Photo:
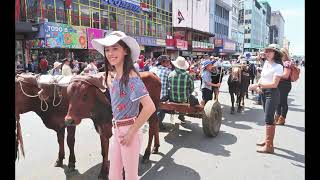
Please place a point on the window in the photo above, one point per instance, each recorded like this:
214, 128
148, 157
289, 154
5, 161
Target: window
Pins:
60, 11
120, 23
137, 31
85, 2
95, 18
85, 16
75, 14
49, 11
104, 20
113, 24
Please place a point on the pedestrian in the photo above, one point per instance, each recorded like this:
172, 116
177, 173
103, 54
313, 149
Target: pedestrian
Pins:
284, 89
75, 68
127, 91
206, 83
162, 71
181, 85
91, 67
261, 58
43, 65
268, 84
56, 70
66, 69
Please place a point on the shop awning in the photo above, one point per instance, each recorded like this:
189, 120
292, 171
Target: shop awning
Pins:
25, 27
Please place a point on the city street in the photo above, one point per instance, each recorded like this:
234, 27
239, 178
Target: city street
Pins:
185, 152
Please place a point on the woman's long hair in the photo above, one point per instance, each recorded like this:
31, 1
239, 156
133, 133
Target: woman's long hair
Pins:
277, 58
127, 66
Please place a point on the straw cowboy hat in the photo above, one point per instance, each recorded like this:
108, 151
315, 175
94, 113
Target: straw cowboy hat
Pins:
274, 47
56, 64
181, 63
112, 39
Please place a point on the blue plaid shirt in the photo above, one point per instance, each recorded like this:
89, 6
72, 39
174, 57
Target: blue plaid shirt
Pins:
163, 74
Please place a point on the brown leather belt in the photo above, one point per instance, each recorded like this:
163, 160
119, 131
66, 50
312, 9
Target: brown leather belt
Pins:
123, 123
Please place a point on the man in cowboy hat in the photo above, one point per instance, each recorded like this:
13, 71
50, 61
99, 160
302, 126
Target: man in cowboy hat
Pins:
181, 84
162, 71
66, 69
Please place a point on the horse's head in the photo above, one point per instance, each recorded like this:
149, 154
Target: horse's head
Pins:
88, 101
235, 74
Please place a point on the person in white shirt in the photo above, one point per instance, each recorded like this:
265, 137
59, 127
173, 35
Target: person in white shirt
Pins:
271, 74
66, 69
91, 68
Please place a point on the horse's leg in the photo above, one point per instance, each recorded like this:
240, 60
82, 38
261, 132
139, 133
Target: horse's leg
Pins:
155, 149
239, 98
232, 102
60, 137
106, 133
147, 152
70, 140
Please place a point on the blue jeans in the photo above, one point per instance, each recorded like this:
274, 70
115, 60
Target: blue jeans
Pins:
270, 101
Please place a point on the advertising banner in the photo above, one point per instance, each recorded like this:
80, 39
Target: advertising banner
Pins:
93, 33
37, 43
65, 36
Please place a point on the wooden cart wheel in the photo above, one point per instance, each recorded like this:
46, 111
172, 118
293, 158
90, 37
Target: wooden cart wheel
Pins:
211, 119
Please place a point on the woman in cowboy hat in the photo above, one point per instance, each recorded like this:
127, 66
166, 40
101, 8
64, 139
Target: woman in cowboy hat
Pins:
127, 92
284, 89
268, 85
56, 70
66, 69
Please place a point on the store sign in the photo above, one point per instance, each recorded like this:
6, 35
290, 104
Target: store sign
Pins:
181, 44
93, 33
161, 42
202, 45
131, 5
147, 41
65, 36
37, 43
218, 42
228, 45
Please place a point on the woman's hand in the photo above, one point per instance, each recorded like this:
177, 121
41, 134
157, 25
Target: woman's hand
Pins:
125, 140
253, 87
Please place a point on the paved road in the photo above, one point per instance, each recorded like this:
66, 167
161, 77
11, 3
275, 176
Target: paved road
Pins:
186, 154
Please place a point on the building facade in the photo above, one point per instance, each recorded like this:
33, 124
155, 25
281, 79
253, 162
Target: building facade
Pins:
286, 44
149, 21
237, 32
252, 18
191, 28
278, 21
268, 19
224, 45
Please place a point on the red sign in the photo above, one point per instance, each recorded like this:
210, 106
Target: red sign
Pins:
170, 42
181, 44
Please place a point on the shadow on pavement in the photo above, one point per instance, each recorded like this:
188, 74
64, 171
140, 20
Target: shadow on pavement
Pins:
295, 109
302, 129
166, 168
249, 114
292, 155
90, 174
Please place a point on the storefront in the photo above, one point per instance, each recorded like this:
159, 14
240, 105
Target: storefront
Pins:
57, 41
151, 47
225, 48
176, 47
202, 48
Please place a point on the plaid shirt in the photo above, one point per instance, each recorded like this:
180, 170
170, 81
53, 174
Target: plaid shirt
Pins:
163, 74
181, 85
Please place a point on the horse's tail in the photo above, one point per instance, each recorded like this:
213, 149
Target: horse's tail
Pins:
19, 139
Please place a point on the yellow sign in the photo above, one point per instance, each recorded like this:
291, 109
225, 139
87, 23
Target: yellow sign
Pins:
141, 48
161, 42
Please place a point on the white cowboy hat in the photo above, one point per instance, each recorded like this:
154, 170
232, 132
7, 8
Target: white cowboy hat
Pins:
180, 63
56, 64
113, 38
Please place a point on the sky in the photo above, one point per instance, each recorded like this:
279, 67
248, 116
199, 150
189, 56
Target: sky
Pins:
293, 12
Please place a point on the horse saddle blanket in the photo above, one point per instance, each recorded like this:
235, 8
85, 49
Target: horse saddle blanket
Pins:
59, 80
97, 80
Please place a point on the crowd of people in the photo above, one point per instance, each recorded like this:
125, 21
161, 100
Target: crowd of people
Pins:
177, 75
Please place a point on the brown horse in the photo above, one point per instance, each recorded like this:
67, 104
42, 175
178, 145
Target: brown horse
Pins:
86, 100
27, 99
238, 83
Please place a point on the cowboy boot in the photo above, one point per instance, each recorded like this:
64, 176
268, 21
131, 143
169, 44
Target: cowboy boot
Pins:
276, 118
268, 147
281, 121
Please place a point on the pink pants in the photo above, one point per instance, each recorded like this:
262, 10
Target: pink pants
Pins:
124, 156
